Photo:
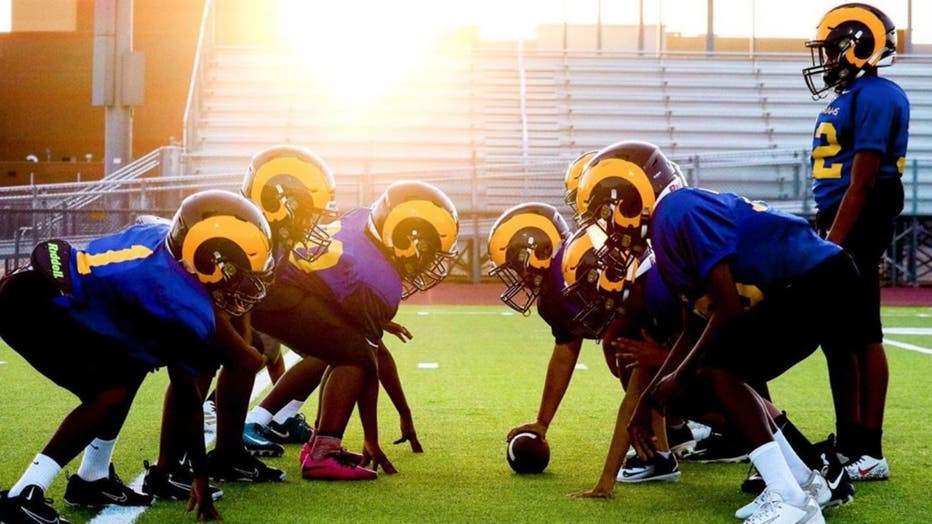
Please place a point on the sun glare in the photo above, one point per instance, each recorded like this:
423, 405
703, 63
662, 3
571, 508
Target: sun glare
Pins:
6, 15
360, 49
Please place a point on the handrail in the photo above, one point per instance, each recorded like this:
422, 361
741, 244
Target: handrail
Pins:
189, 121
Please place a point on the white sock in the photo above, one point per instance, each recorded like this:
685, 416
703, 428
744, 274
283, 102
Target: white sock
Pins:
41, 472
259, 415
95, 464
291, 409
769, 461
800, 470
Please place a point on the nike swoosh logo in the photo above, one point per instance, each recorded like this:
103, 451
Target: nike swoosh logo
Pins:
833, 484
254, 440
279, 434
251, 473
121, 498
182, 485
864, 472
39, 518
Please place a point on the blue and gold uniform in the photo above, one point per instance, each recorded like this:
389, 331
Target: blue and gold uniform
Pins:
335, 306
131, 307
808, 284
130, 288
871, 115
558, 310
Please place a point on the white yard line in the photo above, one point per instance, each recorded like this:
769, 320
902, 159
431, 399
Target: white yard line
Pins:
129, 514
910, 347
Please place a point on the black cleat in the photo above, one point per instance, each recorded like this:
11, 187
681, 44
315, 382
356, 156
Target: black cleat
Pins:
241, 468
173, 485
103, 492
835, 473
29, 507
717, 448
295, 430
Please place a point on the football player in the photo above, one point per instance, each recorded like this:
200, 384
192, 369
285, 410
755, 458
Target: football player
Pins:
151, 295
528, 246
335, 308
705, 244
858, 156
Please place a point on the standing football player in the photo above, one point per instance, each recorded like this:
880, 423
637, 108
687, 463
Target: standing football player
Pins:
148, 296
858, 156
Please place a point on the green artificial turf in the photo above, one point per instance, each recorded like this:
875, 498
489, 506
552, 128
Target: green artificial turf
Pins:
490, 368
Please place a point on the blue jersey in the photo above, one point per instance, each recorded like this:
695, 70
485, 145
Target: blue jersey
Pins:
693, 229
872, 115
354, 272
129, 288
558, 310
664, 311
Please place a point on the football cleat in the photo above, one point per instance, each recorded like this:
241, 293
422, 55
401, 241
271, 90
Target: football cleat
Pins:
867, 467
30, 506
103, 492
658, 468
257, 444
681, 440
242, 468
774, 510
815, 487
834, 472
295, 430
335, 466
699, 430
173, 485
717, 448
753, 483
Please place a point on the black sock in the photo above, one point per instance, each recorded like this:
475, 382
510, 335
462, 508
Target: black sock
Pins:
870, 442
338, 435
800, 444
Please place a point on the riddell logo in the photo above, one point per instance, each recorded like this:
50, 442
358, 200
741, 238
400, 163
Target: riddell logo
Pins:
55, 260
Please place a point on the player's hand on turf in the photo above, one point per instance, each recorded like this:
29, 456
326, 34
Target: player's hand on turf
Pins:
641, 433
201, 500
532, 427
598, 492
374, 457
645, 353
408, 434
398, 330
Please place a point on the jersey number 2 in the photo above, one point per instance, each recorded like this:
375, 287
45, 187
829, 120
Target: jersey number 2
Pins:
822, 165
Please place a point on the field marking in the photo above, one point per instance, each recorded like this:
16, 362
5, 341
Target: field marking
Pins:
428, 365
129, 514
581, 366
908, 331
910, 347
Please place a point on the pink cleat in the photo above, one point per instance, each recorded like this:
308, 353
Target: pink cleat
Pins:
350, 457
335, 466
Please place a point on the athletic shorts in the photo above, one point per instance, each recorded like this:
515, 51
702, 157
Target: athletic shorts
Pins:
60, 348
870, 237
822, 307
313, 325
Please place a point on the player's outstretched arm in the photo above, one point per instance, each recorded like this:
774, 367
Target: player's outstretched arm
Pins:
388, 376
605, 486
559, 372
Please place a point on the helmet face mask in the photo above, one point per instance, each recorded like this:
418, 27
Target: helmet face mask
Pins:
851, 40
418, 226
595, 288
618, 190
295, 190
225, 241
522, 244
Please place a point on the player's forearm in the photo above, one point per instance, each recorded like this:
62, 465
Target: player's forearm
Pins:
559, 372
620, 439
368, 408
